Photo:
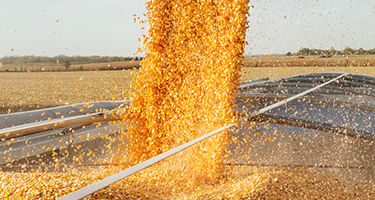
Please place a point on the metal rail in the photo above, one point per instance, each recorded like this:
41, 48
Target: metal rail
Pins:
287, 86
347, 86
78, 194
355, 79
320, 126
281, 103
54, 124
296, 78
315, 100
25, 129
27, 117
296, 165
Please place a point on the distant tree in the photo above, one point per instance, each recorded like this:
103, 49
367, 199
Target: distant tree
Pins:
348, 51
315, 52
289, 54
67, 64
332, 51
360, 51
304, 52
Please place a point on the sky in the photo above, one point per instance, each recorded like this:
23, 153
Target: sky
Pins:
106, 27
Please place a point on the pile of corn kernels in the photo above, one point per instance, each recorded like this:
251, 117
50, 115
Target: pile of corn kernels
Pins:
239, 182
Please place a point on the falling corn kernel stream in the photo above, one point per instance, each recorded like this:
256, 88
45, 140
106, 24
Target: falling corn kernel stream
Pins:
188, 82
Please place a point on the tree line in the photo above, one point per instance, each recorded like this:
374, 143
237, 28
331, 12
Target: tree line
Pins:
332, 51
66, 60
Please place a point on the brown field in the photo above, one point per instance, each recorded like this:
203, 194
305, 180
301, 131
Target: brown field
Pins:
39, 67
262, 61
311, 61
33, 90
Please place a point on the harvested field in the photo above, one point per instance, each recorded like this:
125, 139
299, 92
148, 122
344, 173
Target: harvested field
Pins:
311, 61
29, 91
48, 67
261, 61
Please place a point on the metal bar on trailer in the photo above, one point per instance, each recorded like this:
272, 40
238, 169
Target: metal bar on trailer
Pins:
78, 194
316, 100
54, 124
287, 86
25, 129
354, 79
246, 85
27, 117
265, 81
255, 81
295, 78
315, 126
281, 103
363, 78
296, 165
